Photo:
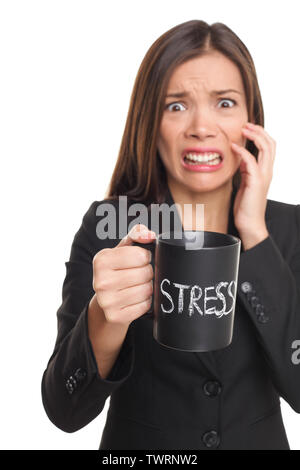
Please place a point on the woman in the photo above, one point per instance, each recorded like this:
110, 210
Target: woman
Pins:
161, 398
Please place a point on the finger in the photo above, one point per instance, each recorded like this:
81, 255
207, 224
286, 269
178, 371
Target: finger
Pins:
135, 294
251, 171
133, 276
248, 164
138, 233
258, 128
133, 312
261, 131
260, 140
265, 157
135, 256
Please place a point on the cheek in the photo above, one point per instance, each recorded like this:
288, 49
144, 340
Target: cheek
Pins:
233, 131
170, 126
163, 133
166, 137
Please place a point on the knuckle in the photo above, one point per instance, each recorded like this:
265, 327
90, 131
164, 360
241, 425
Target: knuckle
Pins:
103, 283
101, 256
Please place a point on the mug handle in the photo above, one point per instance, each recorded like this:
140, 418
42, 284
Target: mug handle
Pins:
151, 247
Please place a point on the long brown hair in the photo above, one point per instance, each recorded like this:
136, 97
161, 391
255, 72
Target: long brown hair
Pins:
139, 172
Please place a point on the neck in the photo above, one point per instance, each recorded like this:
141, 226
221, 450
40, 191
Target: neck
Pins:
215, 210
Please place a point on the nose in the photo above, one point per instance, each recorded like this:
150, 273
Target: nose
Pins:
201, 124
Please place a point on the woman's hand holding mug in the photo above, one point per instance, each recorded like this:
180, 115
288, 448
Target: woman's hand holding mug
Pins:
122, 277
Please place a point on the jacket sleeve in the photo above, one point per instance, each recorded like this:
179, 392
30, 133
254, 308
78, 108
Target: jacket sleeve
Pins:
73, 392
269, 287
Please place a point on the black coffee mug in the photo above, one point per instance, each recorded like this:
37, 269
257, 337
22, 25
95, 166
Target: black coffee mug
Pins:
194, 289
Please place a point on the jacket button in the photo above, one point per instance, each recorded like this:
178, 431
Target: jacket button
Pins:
211, 439
259, 309
212, 388
254, 301
249, 295
70, 386
262, 318
80, 374
246, 287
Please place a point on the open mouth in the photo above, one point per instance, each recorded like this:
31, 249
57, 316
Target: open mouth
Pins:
207, 160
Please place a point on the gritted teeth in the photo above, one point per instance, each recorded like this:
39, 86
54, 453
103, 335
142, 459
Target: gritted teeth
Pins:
204, 157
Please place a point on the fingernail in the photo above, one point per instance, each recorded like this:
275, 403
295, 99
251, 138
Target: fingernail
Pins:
151, 233
147, 234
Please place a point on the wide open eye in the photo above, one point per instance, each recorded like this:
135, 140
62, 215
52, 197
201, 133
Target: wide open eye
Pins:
168, 106
228, 99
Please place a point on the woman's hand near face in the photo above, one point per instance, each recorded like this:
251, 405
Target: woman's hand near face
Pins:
122, 277
256, 176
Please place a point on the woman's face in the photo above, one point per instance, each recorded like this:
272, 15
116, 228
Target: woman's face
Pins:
204, 117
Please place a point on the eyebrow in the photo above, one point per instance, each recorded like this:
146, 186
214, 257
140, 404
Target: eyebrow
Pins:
182, 94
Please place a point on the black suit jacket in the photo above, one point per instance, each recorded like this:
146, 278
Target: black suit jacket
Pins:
166, 399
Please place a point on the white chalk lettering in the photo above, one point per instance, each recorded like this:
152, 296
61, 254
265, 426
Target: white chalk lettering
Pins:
168, 297
211, 310
175, 294
180, 295
222, 298
193, 299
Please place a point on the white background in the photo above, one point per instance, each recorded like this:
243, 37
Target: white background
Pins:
67, 72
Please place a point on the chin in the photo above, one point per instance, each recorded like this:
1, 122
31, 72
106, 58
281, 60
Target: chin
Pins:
204, 185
